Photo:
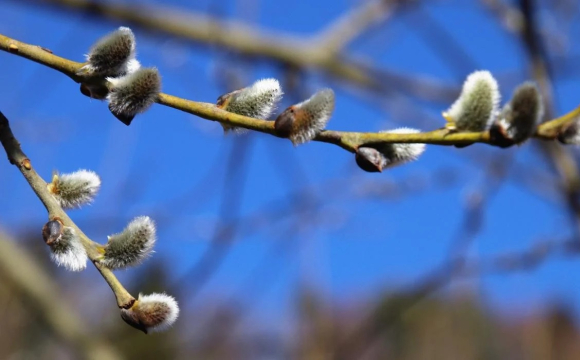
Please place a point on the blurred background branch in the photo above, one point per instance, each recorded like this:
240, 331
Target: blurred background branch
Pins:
44, 299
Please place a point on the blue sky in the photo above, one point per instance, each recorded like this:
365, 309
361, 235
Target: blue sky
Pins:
356, 245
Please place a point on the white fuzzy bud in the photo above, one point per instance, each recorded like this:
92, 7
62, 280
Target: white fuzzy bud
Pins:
477, 106
402, 153
134, 93
152, 313
131, 246
376, 158
65, 245
521, 116
112, 55
257, 101
302, 122
75, 189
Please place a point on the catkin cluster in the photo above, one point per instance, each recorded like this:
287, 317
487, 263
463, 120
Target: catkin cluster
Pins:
132, 89
477, 109
130, 247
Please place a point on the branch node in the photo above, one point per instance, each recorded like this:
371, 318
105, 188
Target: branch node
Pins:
26, 164
45, 49
128, 304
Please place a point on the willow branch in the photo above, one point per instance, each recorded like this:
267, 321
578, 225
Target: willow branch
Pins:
17, 157
347, 140
29, 279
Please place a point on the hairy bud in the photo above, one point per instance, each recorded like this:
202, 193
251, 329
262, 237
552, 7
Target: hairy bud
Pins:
134, 93
52, 231
522, 115
570, 134
65, 245
370, 159
131, 246
376, 158
256, 101
155, 312
113, 55
302, 122
75, 189
477, 106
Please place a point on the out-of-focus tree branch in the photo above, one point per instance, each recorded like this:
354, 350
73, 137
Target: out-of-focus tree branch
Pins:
25, 275
283, 48
511, 17
351, 25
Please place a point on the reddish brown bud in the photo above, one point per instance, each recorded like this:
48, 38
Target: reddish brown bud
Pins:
302, 122
286, 123
52, 231
370, 160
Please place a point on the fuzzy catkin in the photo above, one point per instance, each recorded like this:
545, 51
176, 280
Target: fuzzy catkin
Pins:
398, 153
75, 189
68, 251
477, 105
376, 158
302, 122
112, 55
152, 313
132, 245
258, 101
134, 93
318, 110
523, 113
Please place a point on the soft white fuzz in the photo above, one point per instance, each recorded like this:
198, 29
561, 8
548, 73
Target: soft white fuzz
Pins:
134, 93
152, 313
131, 246
522, 114
258, 101
75, 189
112, 55
379, 157
302, 122
477, 106
68, 251
402, 153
